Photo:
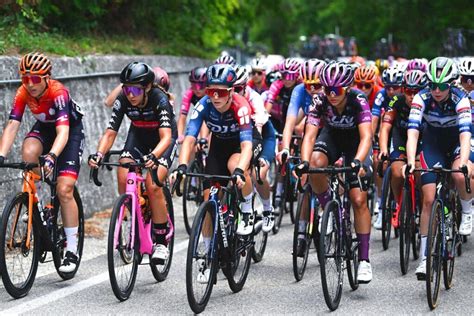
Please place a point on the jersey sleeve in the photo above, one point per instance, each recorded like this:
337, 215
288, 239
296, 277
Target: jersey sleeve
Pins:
463, 109
186, 102
364, 115
377, 106
416, 112
274, 91
62, 104
296, 100
19, 105
242, 113
165, 114
391, 113
260, 115
118, 112
197, 117
314, 111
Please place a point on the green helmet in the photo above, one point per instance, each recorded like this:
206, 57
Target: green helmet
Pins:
442, 70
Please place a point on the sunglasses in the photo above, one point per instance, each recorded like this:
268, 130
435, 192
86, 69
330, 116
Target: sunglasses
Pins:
218, 93
258, 73
393, 87
239, 89
467, 79
33, 79
410, 91
198, 85
362, 85
440, 86
312, 86
334, 91
289, 75
135, 91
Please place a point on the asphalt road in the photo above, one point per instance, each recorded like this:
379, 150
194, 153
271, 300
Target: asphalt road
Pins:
270, 288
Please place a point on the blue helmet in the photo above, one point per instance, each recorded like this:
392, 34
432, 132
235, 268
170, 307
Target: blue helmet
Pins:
221, 74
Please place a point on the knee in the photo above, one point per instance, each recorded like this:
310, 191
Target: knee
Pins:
458, 179
358, 203
154, 190
65, 192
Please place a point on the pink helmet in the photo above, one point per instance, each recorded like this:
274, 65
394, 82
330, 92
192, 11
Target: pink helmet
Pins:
337, 74
290, 65
310, 70
416, 64
161, 78
415, 79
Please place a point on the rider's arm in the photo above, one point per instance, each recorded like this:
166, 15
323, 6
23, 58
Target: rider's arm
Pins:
192, 130
292, 114
109, 100
288, 131
62, 105
164, 118
377, 110
181, 124
463, 109
62, 136
8, 136
273, 94
313, 122
183, 112
107, 140
414, 126
365, 133
387, 123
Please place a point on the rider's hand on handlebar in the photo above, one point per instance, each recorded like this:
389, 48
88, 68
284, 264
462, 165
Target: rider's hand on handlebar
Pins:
383, 154
2, 160
49, 162
357, 166
180, 139
178, 173
469, 169
302, 168
238, 177
284, 152
95, 159
410, 165
150, 161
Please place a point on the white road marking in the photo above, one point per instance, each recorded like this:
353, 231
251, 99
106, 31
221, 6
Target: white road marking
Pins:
62, 293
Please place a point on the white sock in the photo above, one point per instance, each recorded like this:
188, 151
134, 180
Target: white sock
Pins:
207, 243
247, 204
267, 205
466, 206
423, 248
279, 188
194, 181
302, 226
379, 202
71, 238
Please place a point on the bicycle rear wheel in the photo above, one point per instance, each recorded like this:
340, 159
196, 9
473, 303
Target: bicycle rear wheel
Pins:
387, 198
192, 197
453, 239
121, 256
434, 258
18, 263
300, 260
352, 259
160, 271
415, 235
331, 257
201, 260
59, 237
280, 209
406, 218
260, 238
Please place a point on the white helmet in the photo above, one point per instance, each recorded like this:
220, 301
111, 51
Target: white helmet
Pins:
242, 75
258, 64
466, 66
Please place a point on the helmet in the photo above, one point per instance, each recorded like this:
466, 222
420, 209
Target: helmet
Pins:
222, 74
258, 64
242, 75
415, 79
381, 64
290, 65
357, 60
310, 70
392, 76
271, 77
466, 67
137, 73
416, 64
162, 78
337, 74
226, 59
366, 74
35, 64
198, 74
442, 70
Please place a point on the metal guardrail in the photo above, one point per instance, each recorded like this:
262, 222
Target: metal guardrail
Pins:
87, 76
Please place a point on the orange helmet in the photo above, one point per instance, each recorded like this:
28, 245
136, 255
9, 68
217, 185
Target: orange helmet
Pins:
366, 74
35, 64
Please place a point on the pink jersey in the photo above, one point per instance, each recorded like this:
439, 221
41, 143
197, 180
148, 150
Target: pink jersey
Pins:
189, 99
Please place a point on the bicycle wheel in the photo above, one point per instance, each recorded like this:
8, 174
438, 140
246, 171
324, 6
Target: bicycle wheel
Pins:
299, 262
415, 235
452, 239
352, 259
192, 197
201, 260
405, 230
59, 237
280, 209
260, 238
121, 256
160, 271
387, 198
18, 262
434, 258
331, 258
371, 199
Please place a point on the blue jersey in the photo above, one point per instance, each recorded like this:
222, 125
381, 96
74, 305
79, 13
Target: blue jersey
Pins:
300, 99
381, 102
235, 123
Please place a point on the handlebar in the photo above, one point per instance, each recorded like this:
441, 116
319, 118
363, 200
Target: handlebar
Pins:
440, 170
94, 173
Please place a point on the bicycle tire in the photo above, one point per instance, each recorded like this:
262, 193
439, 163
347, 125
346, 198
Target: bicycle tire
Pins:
199, 304
405, 231
352, 260
190, 206
453, 238
332, 290
416, 236
15, 203
434, 258
299, 263
59, 237
160, 272
260, 238
387, 198
124, 250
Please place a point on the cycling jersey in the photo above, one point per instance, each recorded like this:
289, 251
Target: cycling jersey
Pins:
373, 95
189, 100
279, 96
300, 99
260, 115
397, 112
252, 85
235, 123
380, 104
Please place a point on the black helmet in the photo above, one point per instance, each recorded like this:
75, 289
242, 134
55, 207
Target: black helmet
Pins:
198, 74
221, 74
137, 73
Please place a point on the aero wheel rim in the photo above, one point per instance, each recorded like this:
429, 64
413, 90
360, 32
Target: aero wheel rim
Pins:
123, 253
332, 260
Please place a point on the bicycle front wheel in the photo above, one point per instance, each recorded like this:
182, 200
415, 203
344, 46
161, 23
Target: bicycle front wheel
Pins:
434, 258
406, 218
387, 199
192, 197
331, 257
122, 257
452, 240
300, 254
201, 260
260, 238
18, 260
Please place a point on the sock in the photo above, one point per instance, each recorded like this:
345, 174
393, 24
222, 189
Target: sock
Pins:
247, 205
71, 238
267, 205
379, 202
194, 181
279, 188
301, 228
466, 206
160, 231
207, 243
423, 248
363, 246
323, 198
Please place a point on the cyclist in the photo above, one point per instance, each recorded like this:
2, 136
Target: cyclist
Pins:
228, 116
257, 82
446, 141
466, 71
395, 123
197, 78
225, 59
265, 128
151, 138
416, 64
347, 131
57, 134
